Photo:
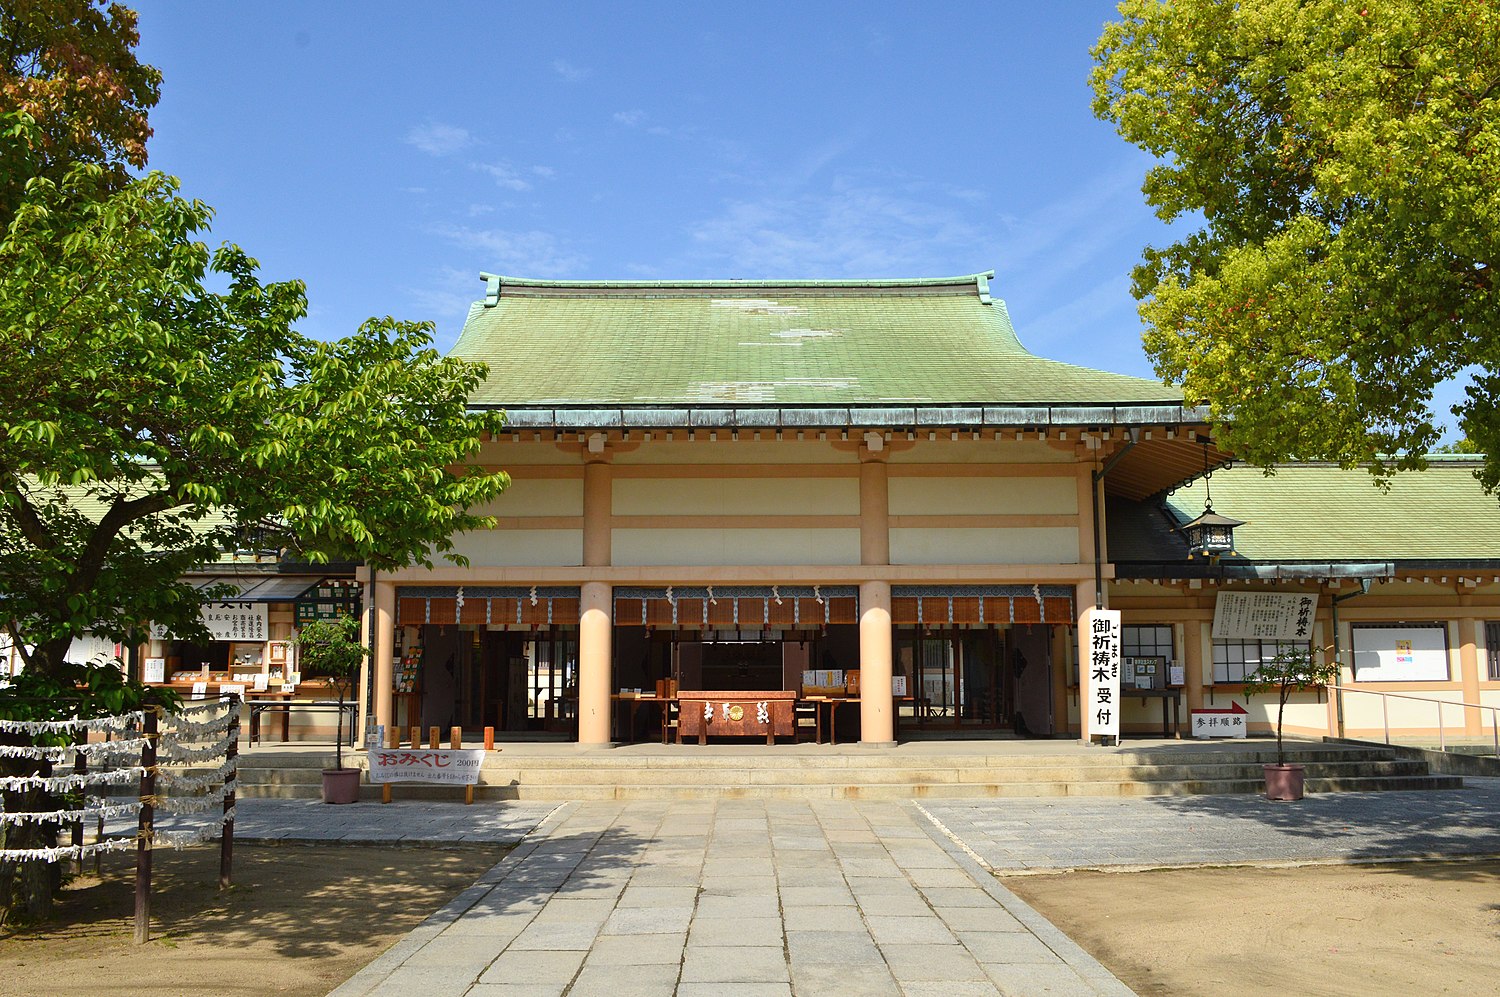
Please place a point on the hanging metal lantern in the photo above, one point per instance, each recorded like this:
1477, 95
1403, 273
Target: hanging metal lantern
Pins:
1210, 535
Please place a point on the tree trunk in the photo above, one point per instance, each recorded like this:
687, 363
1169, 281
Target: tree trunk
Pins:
27, 888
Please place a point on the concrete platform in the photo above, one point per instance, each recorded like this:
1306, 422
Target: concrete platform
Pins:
924, 769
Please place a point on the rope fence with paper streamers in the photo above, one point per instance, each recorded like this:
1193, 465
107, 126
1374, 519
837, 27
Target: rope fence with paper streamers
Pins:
138, 749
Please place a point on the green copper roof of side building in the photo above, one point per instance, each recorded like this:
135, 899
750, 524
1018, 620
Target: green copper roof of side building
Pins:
1320, 512
687, 343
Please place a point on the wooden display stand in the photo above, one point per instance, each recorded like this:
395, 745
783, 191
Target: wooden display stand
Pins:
736, 713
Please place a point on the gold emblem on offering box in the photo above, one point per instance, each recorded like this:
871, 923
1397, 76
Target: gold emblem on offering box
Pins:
736, 713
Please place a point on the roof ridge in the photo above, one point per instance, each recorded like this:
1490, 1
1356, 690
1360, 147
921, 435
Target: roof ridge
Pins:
979, 281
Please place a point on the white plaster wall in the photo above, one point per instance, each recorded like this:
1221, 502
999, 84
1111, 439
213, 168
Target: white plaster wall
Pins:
731, 547
985, 496
505, 452
537, 497
1050, 545
1365, 711
986, 450
736, 497
745, 450
521, 548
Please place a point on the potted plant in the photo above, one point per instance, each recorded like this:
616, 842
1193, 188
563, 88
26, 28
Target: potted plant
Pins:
332, 648
1288, 672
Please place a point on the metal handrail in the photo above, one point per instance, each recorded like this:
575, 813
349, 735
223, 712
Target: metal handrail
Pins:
1385, 713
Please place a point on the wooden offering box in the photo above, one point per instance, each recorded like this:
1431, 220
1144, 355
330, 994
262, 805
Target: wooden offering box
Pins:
736, 713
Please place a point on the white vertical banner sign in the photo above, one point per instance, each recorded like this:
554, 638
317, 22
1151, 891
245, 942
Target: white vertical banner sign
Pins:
1102, 673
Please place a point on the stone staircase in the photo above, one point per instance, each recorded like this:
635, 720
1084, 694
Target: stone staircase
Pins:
929, 771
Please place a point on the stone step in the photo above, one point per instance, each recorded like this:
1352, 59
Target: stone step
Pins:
966, 769
810, 772
875, 791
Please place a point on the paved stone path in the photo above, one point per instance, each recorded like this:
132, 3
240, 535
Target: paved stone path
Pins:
750, 898
399, 822
824, 898
1028, 834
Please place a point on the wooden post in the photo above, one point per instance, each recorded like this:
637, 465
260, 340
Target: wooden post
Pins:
432, 738
80, 767
393, 738
385, 793
232, 754
144, 828
489, 739
469, 794
416, 737
456, 738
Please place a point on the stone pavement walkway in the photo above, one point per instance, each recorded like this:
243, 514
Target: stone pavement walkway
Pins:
413, 822
1052, 834
820, 898
750, 898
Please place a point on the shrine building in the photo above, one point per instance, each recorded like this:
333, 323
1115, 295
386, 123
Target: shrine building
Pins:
867, 498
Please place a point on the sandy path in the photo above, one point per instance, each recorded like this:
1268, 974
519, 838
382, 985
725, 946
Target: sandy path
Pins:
299, 920
1420, 928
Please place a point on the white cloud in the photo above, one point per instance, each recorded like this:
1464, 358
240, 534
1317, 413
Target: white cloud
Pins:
504, 175
853, 230
528, 254
545, 172
630, 118
569, 72
437, 139
444, 299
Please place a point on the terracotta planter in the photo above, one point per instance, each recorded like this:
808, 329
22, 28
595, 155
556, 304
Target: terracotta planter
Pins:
340, 785
1283, 782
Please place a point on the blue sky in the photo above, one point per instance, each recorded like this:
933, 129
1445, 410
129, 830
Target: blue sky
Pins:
387, 156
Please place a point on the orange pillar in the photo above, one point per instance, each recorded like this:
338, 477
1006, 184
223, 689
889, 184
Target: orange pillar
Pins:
1192, 665
595, 638
1468, 663
385, 652
874, 508
598, 504
876, 708
1084, 595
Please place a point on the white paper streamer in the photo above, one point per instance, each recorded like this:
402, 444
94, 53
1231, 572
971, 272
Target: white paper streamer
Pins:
71, 781
204, 708
91, 812
60, 726
195, 804
175, 751
67, 851
94, 751
193, 783
195, 836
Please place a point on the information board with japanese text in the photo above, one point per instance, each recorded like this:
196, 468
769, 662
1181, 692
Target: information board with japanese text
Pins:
1286, 616
1101, 650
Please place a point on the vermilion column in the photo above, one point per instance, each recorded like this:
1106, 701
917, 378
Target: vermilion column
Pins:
1085, 598
1192, 661
385, 651
876, 708
1468, 663
874, 509
595, 634
598, 502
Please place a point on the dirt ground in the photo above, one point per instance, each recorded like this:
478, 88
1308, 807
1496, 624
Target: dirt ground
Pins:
299, 920
1420, 928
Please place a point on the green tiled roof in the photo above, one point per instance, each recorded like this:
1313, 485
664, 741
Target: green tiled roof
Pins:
647, 344
1314, 512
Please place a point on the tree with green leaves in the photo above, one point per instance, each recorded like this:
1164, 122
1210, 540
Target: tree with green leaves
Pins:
1344, 162
1292, 670
151, 421
70, 67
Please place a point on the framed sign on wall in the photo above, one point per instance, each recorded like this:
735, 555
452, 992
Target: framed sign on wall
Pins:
1400, 652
